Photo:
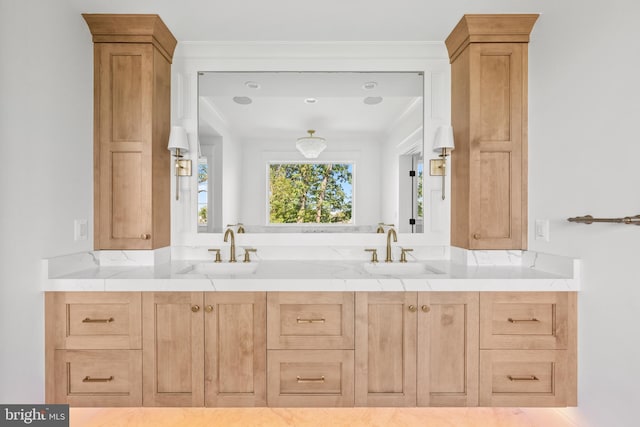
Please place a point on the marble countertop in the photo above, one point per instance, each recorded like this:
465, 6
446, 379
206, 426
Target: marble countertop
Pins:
468, 271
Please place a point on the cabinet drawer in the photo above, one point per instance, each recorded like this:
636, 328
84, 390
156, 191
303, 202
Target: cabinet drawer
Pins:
310, 378
523, 377
310, 320
98, 377
523, 320
100, 320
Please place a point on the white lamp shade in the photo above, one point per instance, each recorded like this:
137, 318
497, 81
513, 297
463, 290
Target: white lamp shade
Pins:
443, 139
178, 139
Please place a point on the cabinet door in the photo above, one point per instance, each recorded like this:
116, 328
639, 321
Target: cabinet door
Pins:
448, 349
124, 100
173, 348
385, 362
235, 349
497, 166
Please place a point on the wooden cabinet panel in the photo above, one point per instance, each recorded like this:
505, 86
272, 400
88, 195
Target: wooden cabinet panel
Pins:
97, 320
235, 349
132, 68
489, 118
524, 320
385, 368
448, 349
173, 343
98, 377
310, 320
523, 378
310, 378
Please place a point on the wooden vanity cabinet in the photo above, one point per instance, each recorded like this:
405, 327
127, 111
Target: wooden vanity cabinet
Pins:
132, 90
204, 348
488, 55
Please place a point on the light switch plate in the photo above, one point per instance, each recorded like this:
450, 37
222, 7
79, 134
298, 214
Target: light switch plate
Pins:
542, 229
80, 229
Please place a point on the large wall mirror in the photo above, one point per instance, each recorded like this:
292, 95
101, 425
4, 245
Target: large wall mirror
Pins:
310, 151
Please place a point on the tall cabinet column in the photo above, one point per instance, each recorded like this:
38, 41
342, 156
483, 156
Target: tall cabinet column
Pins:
132, 91
488, 55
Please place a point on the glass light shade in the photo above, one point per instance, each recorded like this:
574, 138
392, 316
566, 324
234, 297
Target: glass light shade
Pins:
311, 146
443, 139
178, 139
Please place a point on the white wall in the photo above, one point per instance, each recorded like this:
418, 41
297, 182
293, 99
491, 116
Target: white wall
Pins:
584, 153
46, 115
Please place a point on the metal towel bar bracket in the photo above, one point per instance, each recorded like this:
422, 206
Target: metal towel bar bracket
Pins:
588, 219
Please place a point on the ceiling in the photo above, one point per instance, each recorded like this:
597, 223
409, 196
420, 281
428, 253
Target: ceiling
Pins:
310, 20
280, 107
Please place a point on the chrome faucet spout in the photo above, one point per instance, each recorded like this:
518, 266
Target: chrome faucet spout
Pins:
390, 233
232, 251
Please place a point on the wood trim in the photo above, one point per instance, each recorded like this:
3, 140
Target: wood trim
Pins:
489, 28
132, 28
277, 340
431, 329
367, 328
251, 344
572, 349
50, 327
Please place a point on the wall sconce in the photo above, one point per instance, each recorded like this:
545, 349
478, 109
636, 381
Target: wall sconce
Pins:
179, 142
443, 144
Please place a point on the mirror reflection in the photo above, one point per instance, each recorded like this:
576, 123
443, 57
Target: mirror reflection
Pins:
310, 151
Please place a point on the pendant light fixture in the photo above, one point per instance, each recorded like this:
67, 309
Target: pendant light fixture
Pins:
311, 146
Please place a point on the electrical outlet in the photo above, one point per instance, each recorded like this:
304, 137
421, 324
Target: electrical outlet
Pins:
80, 229
542, 229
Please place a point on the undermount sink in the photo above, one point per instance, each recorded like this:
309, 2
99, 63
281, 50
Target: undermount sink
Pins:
221, 268
399, 268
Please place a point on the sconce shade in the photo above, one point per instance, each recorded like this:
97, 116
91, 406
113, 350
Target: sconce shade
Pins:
443, 139
311, 146
178, 139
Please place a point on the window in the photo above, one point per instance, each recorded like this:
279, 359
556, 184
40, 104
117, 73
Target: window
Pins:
310, 193
203, 191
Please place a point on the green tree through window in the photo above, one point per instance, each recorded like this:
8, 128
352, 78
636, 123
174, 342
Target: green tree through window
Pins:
318, 193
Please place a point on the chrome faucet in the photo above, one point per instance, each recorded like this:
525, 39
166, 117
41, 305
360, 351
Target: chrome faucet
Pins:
232, 256
395, 239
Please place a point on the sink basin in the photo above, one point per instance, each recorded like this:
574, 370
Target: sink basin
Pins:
399, 268
221, 268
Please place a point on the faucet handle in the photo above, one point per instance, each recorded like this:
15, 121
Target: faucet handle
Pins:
247, 251
374, 254
403, 254
217, 251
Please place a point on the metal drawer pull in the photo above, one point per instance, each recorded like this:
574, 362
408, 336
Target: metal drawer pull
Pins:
533, 319
88, 379
527, 378
89, 320
310, 380
299, 320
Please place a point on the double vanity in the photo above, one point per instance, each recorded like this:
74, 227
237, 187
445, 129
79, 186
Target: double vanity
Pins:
449, 327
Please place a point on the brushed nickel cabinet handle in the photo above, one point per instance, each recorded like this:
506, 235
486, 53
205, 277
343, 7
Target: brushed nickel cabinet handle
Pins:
310, 380
195, 308
533, 319
299, 320
89, 320
525, 378
145, 236
88, 379
413, 308
208, 308
426, 308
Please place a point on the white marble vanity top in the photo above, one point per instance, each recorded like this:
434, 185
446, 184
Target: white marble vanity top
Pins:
456, 270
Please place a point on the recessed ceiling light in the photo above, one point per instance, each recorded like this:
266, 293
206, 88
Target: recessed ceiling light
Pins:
369, 85
252, 85
242, 100
310, 100
372, 100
